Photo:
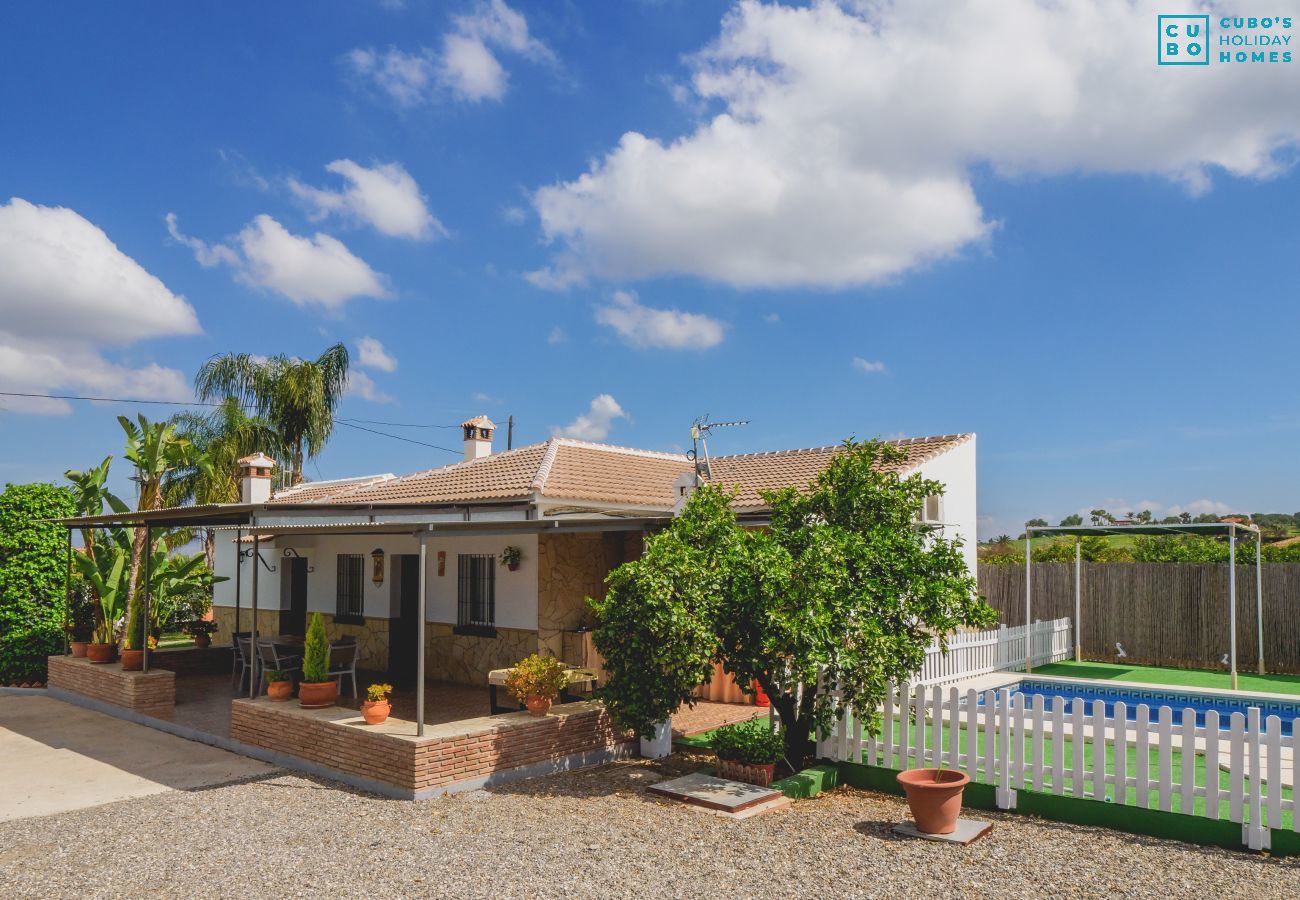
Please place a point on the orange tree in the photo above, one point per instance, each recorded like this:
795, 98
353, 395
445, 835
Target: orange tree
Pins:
844, 588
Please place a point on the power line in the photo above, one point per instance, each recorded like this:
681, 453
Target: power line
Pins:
108, 399
396, 437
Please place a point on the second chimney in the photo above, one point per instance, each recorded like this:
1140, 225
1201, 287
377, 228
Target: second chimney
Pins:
478, 437
255, 478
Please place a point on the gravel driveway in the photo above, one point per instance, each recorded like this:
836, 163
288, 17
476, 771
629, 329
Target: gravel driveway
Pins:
593, 833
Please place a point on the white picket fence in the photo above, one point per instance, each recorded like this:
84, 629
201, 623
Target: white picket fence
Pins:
996, 650
999, 739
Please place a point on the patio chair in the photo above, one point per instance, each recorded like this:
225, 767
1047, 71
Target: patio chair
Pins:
272, 660
343, 662
240, 653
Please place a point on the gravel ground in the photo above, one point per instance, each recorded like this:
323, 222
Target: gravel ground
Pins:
593, 833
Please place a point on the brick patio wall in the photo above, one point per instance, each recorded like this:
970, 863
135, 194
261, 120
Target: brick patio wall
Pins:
151, 694
464, 751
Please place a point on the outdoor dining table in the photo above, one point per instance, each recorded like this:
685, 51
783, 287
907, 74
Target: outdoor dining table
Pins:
497, 678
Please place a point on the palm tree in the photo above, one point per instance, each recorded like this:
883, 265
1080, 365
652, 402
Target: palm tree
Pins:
297, 397
158, 453
221, 437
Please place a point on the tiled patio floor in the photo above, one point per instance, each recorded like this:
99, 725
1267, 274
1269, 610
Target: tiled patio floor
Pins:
203, 703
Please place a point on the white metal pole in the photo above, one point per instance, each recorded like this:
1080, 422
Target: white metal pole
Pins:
1232, 604
1029, 663
252, 641
419, 644
1078, 601
1259, 600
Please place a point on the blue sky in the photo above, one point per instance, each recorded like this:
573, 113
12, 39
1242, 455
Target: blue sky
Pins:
1086, 259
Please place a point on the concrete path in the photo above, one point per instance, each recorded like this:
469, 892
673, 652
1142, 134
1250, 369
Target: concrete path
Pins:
56, 757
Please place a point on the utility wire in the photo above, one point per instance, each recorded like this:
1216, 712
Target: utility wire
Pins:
396, 437
108, 399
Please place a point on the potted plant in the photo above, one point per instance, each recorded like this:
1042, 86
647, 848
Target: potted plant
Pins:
202, 631
317, 690
278, 685
106, 574
934, 796
536, 681
510, 558
78, 640
376, 707
748, 751
133, 642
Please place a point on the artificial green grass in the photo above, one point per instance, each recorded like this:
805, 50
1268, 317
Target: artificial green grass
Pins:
1199, 678
1130, 768
702, 740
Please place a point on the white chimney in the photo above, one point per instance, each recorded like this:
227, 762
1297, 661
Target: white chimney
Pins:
478, 437
683, 487
255, 478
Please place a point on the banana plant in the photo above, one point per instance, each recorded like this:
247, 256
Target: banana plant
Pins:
107, 572
172, 576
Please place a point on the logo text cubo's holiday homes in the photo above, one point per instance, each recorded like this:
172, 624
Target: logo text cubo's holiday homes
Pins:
1187, 40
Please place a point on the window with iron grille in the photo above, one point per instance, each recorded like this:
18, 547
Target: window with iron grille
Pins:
350, 602
476, 609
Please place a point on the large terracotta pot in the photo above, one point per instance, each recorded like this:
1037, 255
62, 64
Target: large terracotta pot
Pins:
376, 711
935, 803
202, 640
538, 705
101, 653
317, 695
132, 660
79, 649
279, 690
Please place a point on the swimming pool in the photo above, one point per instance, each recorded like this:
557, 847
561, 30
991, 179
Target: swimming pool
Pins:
1132, 696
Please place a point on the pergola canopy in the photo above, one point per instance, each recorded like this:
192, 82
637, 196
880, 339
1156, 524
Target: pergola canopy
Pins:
1213, 529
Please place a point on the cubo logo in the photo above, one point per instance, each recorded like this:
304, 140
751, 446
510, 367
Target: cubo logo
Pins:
1183, 40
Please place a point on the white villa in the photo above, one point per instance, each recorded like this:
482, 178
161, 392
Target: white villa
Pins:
573, 510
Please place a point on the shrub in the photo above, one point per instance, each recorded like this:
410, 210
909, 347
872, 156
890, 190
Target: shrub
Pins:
33, 568
316, 652
537, 676
752, 743
270, 676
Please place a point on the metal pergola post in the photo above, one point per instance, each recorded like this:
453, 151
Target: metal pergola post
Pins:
1259, 599
1029, 590
252, 643
1232, 605
148, 577
419, 646
239, 570
67, 593
1078, 600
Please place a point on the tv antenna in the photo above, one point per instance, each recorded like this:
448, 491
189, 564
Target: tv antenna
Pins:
700, 430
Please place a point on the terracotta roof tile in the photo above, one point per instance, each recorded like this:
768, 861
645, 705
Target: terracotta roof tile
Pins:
320, 491
754, 472
500, 476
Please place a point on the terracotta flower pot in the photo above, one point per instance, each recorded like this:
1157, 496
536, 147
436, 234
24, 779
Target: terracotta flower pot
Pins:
375, 711
202, 640
132, 660
79, 648
279, 690
538, 705
318, 695
100, 653
513, 567
761, 698
935, 804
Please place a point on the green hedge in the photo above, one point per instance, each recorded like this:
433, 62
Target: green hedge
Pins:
33, 562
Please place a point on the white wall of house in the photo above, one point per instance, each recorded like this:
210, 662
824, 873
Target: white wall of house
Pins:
516, 592
956, 469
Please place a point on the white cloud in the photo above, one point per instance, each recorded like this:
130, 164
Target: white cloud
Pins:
67, 294
466, 66
596, 422
772, 318
318, 270
362, 385
405, 77
643, 326
385, 197
557, 336
371, 354
514, 215
845, 134
867, 365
